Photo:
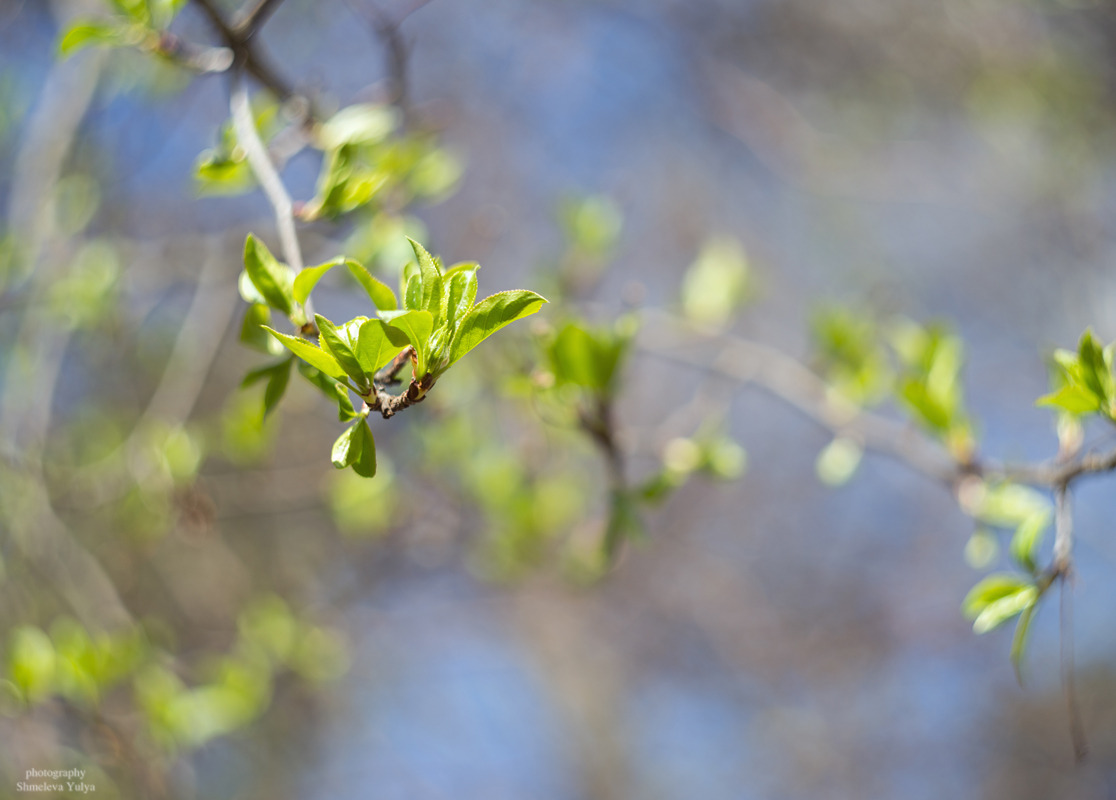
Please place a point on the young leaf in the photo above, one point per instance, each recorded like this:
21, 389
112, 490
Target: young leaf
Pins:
417, 325
491, 314
997, 599
1096, 373
357, 124
274, 281
458, 267
87, 33
380, 293
583, 358
378, 343
331, 389
347, 448
252, 331
365, 463
356, 448
306, 280
838, 460
412, 294
1073, 398
277, 375
1019, 640
338, 342
460, 294
314, 356
1028, 537
431, 277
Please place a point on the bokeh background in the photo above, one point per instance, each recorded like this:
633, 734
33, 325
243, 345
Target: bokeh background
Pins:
770, 636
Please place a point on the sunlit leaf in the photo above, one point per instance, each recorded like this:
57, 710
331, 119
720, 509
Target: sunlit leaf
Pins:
380, 293
307, 279
312, 355
489, 316
340, 343
378, 343
274, 281
417, 325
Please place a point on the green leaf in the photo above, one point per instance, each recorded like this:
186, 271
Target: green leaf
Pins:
277, 375
87, 33
274, 281
365, 464
458, 267
460, 294
997, 599
276, 386
1007, 505
312, 355
1073, 398
346, 449
333, 390
582, 358
306, 280
716, 283
623, 523
356, 448
1028, 537
417, 325
340, 343
491, 314
412, 294
378, 343
431, 277
1019, 639
252, 333
357, 124
838, 460
1095, 371
380, 293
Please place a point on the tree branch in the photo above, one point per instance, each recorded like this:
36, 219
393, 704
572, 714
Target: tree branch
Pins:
387, 30
265, 172
244, 53
1062, 569
250, 20
792, 382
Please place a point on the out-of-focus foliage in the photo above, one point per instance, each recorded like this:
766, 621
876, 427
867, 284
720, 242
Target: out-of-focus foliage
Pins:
173, 530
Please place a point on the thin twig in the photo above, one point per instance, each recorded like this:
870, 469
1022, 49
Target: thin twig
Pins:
245, 53
792, 382
254, 16
265, 172
388, 30
195, 348
1062, 568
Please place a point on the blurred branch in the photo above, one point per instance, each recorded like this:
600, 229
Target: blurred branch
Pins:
27, 399
195, 57
265, 172
1062, 568
195, 348
244, 52
792, 382
387, 29
250, 20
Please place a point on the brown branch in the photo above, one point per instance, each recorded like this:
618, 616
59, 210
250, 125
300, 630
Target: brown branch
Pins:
194, 57
245, 53
390, 374
253, 17
391, 404
792, 382
387, 30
